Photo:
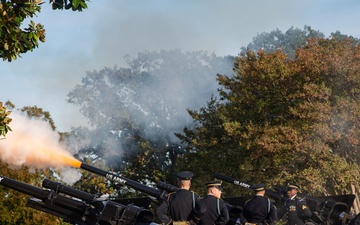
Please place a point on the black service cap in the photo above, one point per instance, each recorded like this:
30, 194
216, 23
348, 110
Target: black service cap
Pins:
213, 183
185, 175
292, 186
258, 187
216, 184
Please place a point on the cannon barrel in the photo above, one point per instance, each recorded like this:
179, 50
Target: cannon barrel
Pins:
232, 180
78, 207
124, 181
51, 202
277, 196
87, 197
24, 188
166, 187
39, 193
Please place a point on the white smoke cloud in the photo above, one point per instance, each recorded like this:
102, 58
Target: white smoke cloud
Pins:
69, 175
33, 143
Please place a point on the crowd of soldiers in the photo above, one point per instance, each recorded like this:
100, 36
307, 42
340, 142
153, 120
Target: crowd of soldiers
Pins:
184, 207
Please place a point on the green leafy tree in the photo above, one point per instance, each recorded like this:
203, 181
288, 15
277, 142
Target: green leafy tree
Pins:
15, 39
74, 5
289, 41
281, 119
135, 111
4, 120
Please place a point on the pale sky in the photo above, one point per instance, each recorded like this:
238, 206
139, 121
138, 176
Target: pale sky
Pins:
100, 36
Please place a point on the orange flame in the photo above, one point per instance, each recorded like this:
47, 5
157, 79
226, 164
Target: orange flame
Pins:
51, 157
34, 143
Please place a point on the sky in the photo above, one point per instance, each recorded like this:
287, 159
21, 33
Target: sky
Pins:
102, 35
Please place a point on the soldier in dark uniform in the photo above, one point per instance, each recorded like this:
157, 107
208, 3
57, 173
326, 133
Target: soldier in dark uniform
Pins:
296, 208
355, 220
183, 206
216, 210
259, 210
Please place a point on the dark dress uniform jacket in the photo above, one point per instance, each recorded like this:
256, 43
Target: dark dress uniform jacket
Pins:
297, 211
216, 211
182, 205
259, 210
355, 220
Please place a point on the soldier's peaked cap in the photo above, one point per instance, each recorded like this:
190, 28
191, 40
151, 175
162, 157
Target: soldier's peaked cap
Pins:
258, 187
185, 175
292, 186
213, 183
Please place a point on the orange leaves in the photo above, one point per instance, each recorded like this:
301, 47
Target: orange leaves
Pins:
263, 65
279, 139
296, 119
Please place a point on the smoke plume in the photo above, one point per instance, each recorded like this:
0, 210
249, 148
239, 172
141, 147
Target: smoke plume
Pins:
33, 143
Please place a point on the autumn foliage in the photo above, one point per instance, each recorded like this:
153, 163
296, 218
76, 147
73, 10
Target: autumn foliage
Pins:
282, 119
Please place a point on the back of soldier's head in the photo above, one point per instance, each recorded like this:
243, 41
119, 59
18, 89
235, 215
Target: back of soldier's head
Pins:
184, 179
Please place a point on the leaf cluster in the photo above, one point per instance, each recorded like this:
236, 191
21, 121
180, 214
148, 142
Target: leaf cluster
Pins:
15, 39
39, 113
4, 120
288, 42
74, 5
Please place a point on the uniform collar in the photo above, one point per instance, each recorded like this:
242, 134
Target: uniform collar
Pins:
292, 198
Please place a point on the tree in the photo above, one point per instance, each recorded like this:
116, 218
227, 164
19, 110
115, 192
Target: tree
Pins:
4, 120
135, 111
39, 113
281, 119
289, 41
15, 40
